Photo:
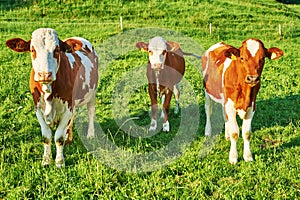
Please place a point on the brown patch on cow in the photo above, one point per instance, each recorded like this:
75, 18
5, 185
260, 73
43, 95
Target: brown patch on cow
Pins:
74, 44
247, 136
35, 88
235, 136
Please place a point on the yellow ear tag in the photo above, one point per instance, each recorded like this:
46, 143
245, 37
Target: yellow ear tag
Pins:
233, 57
273, 56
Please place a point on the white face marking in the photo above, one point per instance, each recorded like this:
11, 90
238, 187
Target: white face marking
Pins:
252, 46
157, 47
44, 41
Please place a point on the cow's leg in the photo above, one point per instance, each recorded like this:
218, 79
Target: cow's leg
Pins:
69, 136
208, 110
162, 115
246, 132
60, 137
46, 133
154, 107
176, 91
166, 109
91, 113
233, 130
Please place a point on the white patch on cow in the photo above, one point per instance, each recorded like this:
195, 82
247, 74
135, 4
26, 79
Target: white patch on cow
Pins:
71, 59
44, 41
212, 48
153, 125
227, 64
246, 131
221, 100
252, 46
232, 130
241, 113
87, 63
166, 126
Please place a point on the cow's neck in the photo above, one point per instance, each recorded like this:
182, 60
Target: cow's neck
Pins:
49, 112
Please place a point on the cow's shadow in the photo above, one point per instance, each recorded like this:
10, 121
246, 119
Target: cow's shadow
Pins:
110, 137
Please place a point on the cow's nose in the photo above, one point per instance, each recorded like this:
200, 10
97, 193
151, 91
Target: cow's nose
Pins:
44, 77
252, 79
157, 66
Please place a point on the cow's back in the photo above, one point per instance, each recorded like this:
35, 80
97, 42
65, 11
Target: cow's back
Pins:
214, 64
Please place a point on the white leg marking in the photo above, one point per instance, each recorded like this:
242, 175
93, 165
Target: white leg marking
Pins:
162, 115
176, 91
246, 132
47, 157
91, 113
166, 126
208, 111
153, 125
46, 133
232, 129
60, 137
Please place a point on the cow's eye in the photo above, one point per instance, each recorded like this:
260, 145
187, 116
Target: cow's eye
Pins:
164, 52
242, 59
150, 52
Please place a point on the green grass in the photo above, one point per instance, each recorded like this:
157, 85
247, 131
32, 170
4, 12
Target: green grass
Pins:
275, 143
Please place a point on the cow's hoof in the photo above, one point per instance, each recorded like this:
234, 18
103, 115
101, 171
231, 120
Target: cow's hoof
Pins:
166, 127
60, 163
90, 136
46, 161
233, 158
248, 157
152, 128
153, 125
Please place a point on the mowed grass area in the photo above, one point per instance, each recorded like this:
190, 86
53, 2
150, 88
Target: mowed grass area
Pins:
275, 143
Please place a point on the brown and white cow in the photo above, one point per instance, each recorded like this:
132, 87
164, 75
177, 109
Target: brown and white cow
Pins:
232, 78
64, 75
165, 70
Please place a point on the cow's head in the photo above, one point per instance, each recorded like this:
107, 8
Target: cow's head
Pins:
157, 49
45, 48
250, 58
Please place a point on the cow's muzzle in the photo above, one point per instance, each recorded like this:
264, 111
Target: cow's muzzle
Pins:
157, 66
252, 80
44, 77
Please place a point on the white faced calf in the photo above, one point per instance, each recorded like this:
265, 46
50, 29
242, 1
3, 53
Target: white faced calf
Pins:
64, 75
165, 70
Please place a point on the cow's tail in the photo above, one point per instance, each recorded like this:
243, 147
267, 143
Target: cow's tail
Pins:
192, 54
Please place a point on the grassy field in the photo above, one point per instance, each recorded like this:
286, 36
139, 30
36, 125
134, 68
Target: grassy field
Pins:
130, 163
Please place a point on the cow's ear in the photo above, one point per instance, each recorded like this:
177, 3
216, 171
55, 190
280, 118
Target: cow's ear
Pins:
18, 45
232, 53
274, 53
172, 46
142, 46
70, 45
